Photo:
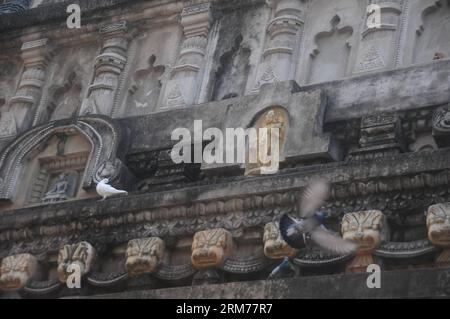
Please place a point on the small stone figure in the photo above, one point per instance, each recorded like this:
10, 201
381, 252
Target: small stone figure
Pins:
59, 192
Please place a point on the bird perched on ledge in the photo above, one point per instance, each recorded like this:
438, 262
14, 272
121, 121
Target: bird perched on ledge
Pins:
105, 190
297, 233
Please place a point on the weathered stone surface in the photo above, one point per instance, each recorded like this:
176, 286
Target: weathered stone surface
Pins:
144, 256
16, 271
428, 283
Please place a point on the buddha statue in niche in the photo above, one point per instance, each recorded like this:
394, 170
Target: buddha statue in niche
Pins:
61, 190
264, 152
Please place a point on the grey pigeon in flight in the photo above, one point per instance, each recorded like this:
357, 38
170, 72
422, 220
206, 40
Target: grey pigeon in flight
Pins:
310, 227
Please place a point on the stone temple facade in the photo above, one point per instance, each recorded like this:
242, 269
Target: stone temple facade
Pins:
365, 107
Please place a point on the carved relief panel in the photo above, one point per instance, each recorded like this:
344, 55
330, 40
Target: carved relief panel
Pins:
210, 248
144, 256
432, 38
82, 255
9, 73
365, 229
329, 46
69, 75
148, 70
16, 271
274, 245
438, 223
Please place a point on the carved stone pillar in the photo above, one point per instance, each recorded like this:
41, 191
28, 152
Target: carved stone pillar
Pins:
144, 256
186, 76
380, 44
283, 34
364, 228
210, 248
274, 246
438, 223
16, 271
108, 68
23, 105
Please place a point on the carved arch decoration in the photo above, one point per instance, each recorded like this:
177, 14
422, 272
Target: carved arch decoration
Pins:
108, 149
336, 29
428, 35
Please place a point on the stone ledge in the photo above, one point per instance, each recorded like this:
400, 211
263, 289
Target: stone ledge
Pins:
423, 283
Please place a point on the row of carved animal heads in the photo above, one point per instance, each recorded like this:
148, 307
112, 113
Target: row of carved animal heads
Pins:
211, 248
369, 229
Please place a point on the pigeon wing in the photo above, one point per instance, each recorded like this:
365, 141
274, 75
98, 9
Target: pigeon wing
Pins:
294, 240
313, 197
331, 243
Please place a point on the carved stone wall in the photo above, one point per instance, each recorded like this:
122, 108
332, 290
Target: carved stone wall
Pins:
365, 107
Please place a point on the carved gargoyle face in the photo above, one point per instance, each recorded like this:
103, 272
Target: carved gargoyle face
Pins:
210, 248
144, 255
16, 271
438, 223
81, 254
363, 228
274, 246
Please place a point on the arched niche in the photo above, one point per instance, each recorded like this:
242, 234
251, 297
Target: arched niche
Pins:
275, 117
433, 34
87, 149
331, 52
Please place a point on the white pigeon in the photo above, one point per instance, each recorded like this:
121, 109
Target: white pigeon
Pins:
105, 190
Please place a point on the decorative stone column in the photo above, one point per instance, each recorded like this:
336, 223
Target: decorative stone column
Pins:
16, 271
379, 45
274, 246
182, 88
364, 228
144, 256
109, 66
23, 105
438, 223
283, 35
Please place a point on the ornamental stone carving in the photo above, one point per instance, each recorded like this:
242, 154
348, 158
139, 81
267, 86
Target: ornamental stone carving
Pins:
210, 248
144, 256
274, 246
186, 75
438, 223
16, 271
365, 229
81, 254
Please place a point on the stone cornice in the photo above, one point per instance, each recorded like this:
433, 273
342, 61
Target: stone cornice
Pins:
239, 196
